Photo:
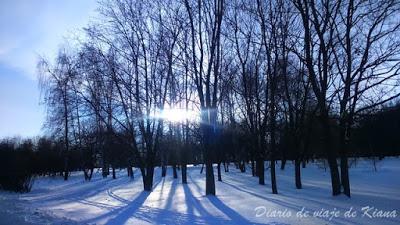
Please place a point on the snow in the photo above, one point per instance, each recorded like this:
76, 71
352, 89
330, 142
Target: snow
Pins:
239, 199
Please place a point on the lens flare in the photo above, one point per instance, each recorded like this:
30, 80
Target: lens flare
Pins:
178, 115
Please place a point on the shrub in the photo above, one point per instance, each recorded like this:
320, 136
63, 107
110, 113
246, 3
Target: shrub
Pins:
15, 168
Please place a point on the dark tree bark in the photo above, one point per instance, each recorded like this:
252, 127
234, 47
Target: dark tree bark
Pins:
66, 171
147, 176
226, 167
130, 172
283, 163
184, 174
210, 185
253, 169
297, 173
219, 171
113, 173
163, 171
105, 170
175, 173
331, 156
260, 171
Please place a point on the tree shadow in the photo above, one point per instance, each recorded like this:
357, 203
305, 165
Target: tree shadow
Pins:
136, 210
165, 216
293, 206
125, 212
116, 197
170, 196
234, 217
72, 192
193, 203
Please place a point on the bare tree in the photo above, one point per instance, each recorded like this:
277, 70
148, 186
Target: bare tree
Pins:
56, 85
319, 41
205, 19
366, 59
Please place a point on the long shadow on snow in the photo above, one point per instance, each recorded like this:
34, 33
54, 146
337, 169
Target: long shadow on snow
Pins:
166, 216
81, 193
135, 209
78, 193
235, 218
294, 207
318, 198
125, 212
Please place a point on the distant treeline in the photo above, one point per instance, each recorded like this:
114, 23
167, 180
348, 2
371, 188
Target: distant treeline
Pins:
376, 135
21, 160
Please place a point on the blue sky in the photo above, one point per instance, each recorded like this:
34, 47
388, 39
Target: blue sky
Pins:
29, 29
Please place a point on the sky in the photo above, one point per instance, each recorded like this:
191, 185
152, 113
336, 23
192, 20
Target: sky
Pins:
29, 29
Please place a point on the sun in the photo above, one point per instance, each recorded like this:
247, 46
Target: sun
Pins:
178, 115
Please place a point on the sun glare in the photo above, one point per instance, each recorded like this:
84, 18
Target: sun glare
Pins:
178, 115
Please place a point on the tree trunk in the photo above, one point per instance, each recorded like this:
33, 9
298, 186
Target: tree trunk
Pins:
260, 171
335, 180
253, 169
163, 170
184, 174
104, 170
226, 167
344, 168
174, 171
113, 173
147, 176
88, 173
297, 173
210, 180
85, 174
66, 151
91, 173
331, 156
66, 168
209, 148
283, 163
242, 166
130, 172
273, 178
219, 171
344, 172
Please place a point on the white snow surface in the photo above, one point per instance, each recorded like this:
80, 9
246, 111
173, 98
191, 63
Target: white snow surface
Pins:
239, 200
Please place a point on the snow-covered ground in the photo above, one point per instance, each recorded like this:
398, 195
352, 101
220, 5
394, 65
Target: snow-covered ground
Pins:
239, 200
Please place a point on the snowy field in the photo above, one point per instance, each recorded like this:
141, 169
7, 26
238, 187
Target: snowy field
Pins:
239, 200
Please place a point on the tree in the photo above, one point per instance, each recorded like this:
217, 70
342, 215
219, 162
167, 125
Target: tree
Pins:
56, 86
366, 59
319, 42
205, 19
251, 84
